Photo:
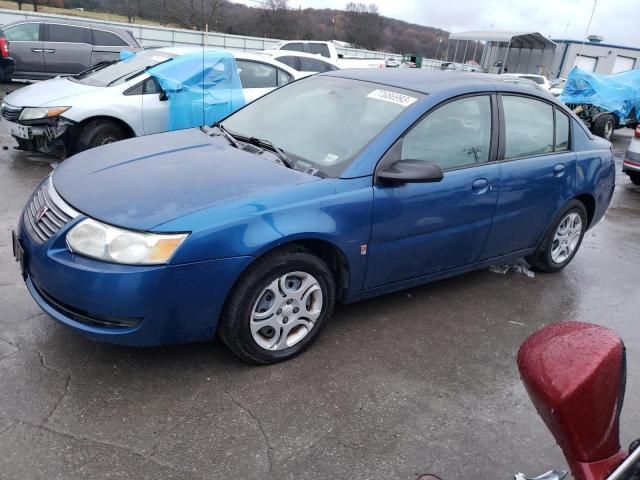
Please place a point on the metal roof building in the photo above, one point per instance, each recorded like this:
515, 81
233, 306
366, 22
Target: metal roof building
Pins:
593, 56
516, 52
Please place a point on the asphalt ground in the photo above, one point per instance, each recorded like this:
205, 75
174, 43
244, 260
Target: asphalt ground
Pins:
419, 381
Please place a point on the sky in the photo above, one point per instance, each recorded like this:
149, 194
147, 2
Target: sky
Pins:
618, 21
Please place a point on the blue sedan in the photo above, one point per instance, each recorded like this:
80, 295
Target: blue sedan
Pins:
332, 189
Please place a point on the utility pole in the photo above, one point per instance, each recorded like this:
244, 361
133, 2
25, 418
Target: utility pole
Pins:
298, 26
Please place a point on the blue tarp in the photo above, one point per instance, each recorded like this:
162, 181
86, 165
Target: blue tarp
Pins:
618, 93
203, 87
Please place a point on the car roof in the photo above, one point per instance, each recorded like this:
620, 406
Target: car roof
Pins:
291, 53
97, 26
435, 81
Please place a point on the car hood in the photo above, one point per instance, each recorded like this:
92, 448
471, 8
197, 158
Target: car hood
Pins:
147, 181
47, 92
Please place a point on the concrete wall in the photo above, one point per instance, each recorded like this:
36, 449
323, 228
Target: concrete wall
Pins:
567, 52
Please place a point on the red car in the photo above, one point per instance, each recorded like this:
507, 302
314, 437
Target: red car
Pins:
7, 64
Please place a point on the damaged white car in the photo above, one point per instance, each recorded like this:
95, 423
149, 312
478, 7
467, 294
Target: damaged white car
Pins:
117, 100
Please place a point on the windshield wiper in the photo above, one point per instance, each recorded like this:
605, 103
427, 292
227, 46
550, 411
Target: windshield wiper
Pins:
225, 133
95, 68
283, 157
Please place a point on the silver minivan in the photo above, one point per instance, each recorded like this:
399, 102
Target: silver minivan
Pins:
48, 48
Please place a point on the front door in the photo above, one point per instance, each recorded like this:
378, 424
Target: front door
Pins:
27, 49
538, 173
424, 228
155, 107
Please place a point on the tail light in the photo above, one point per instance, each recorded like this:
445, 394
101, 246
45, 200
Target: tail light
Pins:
637, 131
4, 47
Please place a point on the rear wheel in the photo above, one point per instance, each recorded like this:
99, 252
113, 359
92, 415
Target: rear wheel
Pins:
604, 126
562, 240
99, 132
635, 177
279, 306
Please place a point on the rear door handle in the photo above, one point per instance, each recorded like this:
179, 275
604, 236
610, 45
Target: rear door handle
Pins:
37, 50
49, 50
480, 185
558, 170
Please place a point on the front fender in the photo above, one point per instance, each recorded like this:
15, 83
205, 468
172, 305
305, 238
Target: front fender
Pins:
337, 211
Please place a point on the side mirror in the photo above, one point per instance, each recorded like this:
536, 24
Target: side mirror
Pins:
163, 96
410, 171
575, 375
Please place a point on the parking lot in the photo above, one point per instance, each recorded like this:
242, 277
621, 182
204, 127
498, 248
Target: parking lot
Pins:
420, 381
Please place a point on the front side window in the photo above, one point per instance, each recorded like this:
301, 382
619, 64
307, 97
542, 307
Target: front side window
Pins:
528, 127
455, 135
257, 75
108, 39
294, 47
322, 122
562, 131
25, 32
68, 34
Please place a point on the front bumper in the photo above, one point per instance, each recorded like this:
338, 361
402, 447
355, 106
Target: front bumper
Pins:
631, 162
47, 136
123, 304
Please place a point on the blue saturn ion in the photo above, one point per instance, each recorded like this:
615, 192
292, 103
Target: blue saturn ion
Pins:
332, 189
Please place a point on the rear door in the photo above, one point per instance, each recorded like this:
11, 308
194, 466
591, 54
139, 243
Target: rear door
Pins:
67, 49
538, 172
27, 49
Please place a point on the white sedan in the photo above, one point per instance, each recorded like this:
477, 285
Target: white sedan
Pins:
66, 115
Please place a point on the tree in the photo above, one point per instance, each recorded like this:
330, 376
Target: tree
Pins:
364, 25
35, 5
278, 20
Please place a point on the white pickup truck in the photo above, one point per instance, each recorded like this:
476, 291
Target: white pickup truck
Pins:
329, 50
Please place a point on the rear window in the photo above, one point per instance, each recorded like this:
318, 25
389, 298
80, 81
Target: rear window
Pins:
288, 60
538, 80
315, 65
68, 34
108, 39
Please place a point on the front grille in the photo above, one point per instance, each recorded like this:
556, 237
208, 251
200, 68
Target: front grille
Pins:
11, 113
46, 213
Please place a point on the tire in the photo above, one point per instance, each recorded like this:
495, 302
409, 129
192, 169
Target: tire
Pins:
634, 177
256, 323
604, 126
99, 132
550, 256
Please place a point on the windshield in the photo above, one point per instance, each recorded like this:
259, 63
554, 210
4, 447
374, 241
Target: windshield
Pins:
322, 121
118, 72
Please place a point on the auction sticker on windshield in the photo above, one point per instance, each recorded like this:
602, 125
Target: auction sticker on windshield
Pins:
392, 97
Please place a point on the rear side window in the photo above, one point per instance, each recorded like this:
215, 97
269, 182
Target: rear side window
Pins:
315, 65
319, 49
68, 34
283, 77
562, 131
295, 47
290, 61
457, 134
25, 32
257, 75
108, 39
528, 127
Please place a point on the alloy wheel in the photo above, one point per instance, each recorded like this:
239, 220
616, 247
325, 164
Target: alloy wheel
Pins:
566, 238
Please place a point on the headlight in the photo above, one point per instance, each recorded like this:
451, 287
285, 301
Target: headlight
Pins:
111, 244
33, 113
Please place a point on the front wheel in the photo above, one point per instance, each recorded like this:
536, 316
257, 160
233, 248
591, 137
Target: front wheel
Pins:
278, 307
99, 132
562, 241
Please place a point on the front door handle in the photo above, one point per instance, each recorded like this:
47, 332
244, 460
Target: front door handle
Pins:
480, 185
558, 170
